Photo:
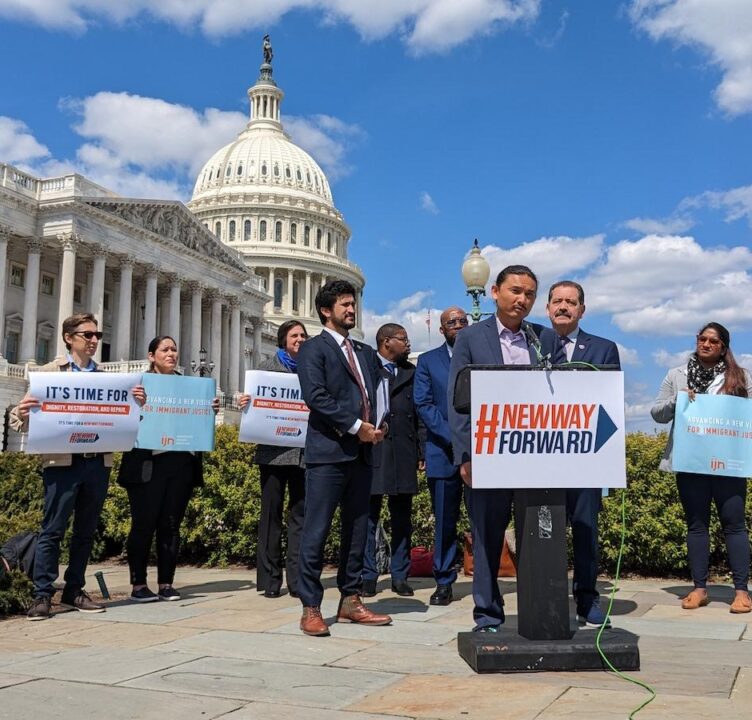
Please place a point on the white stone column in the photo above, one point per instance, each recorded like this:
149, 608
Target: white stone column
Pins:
163, 311
270, 289
288, 296
235, 347
70, 243
224, 372
257, 327
307, 299
174, 322
4, 236
195, 346
31, 297
216, 337
123, 344
96, 294
150, 309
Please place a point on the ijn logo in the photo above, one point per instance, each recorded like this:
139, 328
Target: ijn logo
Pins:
716, 464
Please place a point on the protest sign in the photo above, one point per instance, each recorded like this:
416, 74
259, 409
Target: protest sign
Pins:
713, 435
276, 414
83, 412
178, 414
547, 429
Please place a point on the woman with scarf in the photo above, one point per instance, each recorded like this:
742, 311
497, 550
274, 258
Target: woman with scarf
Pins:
280, 467
711, 369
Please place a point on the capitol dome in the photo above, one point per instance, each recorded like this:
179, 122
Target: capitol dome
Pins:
267, 198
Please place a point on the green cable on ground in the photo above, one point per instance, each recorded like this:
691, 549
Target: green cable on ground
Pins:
622, 675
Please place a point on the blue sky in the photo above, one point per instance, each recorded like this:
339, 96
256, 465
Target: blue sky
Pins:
608, 142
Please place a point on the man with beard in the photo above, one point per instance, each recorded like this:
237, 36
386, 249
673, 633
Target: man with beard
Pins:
395, 466
444, 482
339, 379
566, 305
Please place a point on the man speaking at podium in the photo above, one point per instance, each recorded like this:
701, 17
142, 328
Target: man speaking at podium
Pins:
503, 339
566, 305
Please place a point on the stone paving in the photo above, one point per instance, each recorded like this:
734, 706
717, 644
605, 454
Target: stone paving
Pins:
224, 651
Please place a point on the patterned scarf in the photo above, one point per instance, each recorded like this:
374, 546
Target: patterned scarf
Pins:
699, 378
284, 357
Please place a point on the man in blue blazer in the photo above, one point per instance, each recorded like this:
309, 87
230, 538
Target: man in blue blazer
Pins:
504, 339
444, 482
566, 305
339, 380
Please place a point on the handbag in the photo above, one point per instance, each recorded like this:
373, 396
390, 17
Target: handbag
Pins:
507, 563
421, 562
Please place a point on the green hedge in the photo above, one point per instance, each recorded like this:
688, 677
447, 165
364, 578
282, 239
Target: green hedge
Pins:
222, 518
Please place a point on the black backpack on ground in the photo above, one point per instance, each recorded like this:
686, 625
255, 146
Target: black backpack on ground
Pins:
18, 554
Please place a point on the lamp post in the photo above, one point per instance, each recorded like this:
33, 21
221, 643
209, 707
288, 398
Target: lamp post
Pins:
202, 366
475, 273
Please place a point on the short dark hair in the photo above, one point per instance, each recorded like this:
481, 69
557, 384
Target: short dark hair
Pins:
386, 331
571, 284
285, 328
71, 323
515, 270
328, 294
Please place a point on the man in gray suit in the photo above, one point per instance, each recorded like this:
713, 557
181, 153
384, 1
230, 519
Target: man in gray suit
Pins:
504, 339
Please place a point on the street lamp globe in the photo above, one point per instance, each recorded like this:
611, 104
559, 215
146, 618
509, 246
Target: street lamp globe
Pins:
475, 274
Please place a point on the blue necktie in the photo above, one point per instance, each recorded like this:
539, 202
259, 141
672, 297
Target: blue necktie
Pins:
391, 367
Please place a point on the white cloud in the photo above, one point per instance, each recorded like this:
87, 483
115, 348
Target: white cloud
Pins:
666, 226
411, 312
328, 139
745, 360
17, 144
427, 203
666, 359
737, 202
628, 356
722, 29
424, 25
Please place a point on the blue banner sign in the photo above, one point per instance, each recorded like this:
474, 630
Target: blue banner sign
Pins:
178, 414
713, 435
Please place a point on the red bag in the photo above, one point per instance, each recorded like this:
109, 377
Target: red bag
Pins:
421, 562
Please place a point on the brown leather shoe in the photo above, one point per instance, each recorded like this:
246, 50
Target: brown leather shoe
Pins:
312, 623
695, 600
352, 609
742, 604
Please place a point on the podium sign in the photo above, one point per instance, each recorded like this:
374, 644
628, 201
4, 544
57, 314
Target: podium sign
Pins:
547, 429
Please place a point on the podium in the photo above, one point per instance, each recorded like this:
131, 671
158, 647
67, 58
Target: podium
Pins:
546, 640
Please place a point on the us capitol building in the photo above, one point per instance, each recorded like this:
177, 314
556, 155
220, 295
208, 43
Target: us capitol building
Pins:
251, 248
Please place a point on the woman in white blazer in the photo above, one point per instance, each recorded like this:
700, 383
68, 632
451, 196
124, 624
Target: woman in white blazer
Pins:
711, 369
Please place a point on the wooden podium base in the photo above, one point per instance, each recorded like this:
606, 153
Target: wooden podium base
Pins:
507, 652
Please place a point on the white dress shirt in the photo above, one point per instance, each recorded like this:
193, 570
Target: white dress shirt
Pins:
342, 341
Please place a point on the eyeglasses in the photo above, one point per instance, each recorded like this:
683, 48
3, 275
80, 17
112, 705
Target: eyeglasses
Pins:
401, 338
709, 340
89, 334
456, 322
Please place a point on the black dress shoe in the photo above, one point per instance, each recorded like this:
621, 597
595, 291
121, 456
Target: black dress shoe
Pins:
272, 593
402, 588
294, 594
442, 595
369, 588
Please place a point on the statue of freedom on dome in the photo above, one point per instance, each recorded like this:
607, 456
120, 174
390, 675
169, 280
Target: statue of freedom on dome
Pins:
268, 52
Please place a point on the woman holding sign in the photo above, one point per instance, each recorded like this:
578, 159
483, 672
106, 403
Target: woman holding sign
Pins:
159, 485
711, 369
280, 467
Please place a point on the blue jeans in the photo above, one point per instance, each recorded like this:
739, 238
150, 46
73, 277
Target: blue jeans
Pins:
79, 490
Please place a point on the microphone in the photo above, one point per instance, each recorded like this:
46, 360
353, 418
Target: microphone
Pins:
534, 341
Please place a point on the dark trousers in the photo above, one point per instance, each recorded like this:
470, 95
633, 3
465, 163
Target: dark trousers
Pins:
583, 506
490, 511
159, 506
274, 480
400, 520
347, 485
729, 495
446, 496
79, 490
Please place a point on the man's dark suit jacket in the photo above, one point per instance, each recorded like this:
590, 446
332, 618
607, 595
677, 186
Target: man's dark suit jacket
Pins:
594, 350
331, 392
430, 386
479, 344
